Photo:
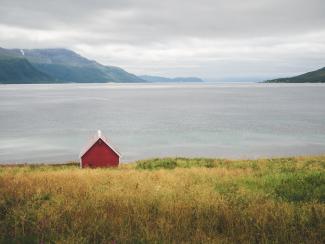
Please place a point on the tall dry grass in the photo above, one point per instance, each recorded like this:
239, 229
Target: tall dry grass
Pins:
172, 200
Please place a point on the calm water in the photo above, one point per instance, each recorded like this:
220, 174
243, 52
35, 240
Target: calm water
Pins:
52, 123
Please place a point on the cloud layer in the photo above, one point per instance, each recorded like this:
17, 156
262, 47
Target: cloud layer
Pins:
213, 39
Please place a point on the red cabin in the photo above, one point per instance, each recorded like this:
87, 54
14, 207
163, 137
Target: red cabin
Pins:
99, 153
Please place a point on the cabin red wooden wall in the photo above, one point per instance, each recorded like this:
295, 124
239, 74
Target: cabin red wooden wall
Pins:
99, 155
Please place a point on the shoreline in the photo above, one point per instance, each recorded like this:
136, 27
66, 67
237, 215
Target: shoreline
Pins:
77, 163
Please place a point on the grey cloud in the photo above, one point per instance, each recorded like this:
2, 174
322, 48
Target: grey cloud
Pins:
188, 17
208, 38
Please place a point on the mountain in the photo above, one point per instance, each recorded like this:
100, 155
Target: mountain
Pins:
317, 76
18, 70
56, 66
150, 78
14, 69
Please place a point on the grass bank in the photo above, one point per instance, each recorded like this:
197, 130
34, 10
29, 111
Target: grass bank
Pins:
169, 200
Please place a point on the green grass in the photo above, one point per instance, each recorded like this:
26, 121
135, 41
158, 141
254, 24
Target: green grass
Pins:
167, 200
302, 187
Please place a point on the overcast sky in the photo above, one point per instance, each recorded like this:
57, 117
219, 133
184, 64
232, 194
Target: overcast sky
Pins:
212, 39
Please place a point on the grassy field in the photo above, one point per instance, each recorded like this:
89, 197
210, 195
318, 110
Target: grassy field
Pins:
169, 200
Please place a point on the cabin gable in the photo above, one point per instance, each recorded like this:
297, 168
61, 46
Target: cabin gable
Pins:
100, 154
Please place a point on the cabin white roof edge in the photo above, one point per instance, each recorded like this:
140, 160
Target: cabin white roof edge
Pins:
94, 140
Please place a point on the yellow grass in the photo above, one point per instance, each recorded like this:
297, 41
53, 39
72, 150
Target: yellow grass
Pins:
196, 200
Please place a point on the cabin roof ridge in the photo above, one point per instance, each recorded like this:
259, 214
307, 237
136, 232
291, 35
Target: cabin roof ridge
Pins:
94, 139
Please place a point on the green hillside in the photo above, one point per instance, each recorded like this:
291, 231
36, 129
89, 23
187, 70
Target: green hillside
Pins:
317, 76
56, 65
66, 65
18, 70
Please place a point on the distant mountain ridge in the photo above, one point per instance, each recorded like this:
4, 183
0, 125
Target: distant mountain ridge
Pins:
56, 66
59, 65
151, 78
317, 76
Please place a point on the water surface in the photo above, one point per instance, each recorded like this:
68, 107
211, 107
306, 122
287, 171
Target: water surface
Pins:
52, 123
